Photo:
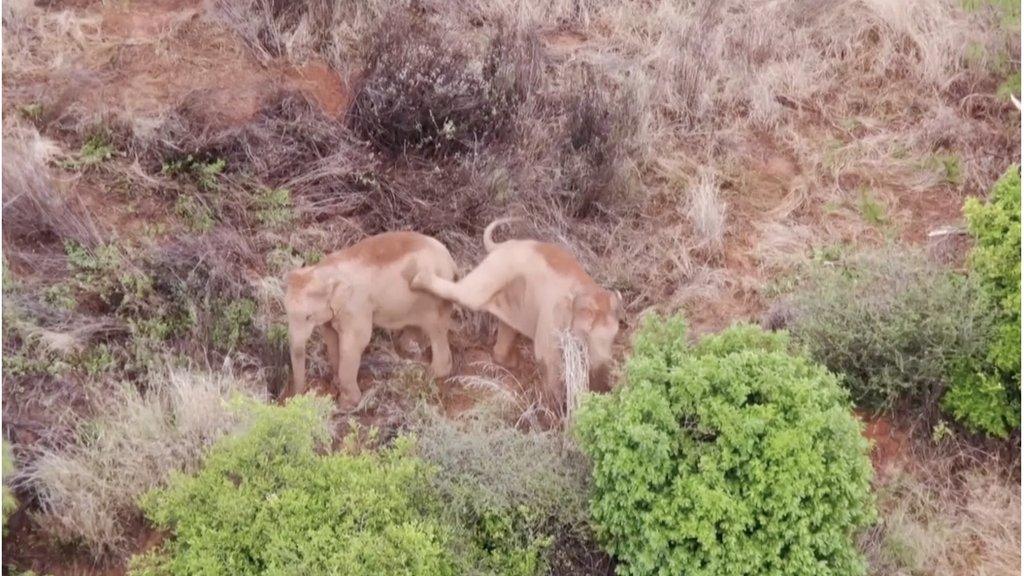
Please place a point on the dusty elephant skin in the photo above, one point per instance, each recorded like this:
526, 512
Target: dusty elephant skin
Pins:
538, 290
366, 285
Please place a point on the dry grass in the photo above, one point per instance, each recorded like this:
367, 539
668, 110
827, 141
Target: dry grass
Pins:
939, 515
575, 372
87, 490
706, 212
36, 207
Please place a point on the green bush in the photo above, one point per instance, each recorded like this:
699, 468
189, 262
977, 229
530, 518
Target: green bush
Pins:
986, 391
891, 323
730, 457
267, 503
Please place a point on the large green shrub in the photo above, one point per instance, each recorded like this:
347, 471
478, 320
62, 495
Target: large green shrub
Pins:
730, 457
267, 503
986, 392
891, 323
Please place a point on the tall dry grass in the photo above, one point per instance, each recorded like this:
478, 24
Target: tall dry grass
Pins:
947, 511
87, 490
37, 207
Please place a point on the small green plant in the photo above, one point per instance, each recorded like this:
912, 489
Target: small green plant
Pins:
310, 257
95, 151
60, 296
95, 271
33, 111
941, 431
99, 359
273, 207
986, 391
872, 210
205, 174
951, 170
277, 335
266, 502
1010, 86
234, 320
729, 457
196, 214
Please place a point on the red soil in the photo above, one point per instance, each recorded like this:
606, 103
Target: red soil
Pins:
888, 444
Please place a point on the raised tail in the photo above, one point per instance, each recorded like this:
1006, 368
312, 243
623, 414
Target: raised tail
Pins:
489, 243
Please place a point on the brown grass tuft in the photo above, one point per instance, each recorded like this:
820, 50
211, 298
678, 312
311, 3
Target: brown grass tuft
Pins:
37, 210
88, 490
947, 512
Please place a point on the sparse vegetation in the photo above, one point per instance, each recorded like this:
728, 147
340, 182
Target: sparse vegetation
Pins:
940, 516
730, 456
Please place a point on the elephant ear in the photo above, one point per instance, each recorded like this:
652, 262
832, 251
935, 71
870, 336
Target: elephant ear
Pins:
340, 299
562, 317
584, 312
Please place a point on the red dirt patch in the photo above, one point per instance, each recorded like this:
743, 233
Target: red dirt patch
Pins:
927, 210
563, 41
30, 548
144, 61
888, 444
323, 84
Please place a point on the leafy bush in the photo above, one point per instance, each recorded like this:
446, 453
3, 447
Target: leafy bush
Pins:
891, 323
986, 392
266, 503
515, 492
730, 457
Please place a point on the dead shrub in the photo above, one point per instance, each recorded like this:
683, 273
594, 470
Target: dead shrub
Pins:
88, 490
422, 94
598, 131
